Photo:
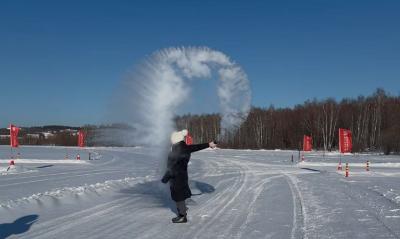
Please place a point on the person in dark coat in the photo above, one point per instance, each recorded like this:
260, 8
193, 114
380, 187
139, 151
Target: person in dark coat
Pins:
177, 172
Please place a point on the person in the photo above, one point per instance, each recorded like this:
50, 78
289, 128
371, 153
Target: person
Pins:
177, 171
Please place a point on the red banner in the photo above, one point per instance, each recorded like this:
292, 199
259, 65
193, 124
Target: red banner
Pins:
14, 136
307, 143
189, 139
345, 141
81, 138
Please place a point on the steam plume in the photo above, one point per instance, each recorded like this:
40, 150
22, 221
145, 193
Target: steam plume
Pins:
153, 92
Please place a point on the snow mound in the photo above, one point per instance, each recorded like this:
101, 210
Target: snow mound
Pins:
15, 169
376, 165
45, 161
71, 192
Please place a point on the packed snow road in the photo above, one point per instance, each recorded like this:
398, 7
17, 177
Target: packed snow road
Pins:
236, 194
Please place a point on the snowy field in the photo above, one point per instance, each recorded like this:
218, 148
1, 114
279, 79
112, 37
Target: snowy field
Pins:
237, 194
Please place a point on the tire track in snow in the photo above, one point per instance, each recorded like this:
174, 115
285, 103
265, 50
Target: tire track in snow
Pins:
241, 184
223, 200
259, 189
298, 209
249, 183
103, 219
53, 227
367, 207
122, 218
350, 197
250, 196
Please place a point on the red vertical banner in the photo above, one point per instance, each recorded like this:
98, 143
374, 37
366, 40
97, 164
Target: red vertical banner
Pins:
81, 138
188, 139
307, 143
14, 136
345, 141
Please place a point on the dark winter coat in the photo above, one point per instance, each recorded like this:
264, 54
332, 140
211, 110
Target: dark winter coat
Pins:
177, 172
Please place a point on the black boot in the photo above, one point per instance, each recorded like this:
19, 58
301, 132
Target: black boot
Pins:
179, 219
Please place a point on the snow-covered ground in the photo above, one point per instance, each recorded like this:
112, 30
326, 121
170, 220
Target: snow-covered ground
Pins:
237, 194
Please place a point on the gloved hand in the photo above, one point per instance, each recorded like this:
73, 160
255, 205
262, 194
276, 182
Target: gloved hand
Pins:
166, 178
212, 144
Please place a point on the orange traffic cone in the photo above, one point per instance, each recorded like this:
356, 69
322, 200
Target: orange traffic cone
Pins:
11, 163
78, 157
347, 170
367, 166
340, 166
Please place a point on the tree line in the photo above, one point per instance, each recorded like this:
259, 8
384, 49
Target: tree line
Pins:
373, 120
59, 135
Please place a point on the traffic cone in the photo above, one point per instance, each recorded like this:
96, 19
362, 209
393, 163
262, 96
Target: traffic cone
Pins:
11, 163
339, 167
78, 157
367, 166
347, 170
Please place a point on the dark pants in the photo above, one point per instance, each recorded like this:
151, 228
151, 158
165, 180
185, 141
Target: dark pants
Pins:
181, 206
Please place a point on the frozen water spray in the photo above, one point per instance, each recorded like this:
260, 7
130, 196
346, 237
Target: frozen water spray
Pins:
153, 92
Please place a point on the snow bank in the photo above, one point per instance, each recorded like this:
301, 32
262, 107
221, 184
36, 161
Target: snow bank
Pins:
15, 169
372, 165
86, 189
44, 161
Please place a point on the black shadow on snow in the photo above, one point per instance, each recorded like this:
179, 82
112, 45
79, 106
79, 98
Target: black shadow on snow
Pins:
19, 226
311, 169
158, 193
201, 187
46, 166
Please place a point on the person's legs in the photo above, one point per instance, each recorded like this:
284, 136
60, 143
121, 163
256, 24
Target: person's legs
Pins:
181, 218
181, 206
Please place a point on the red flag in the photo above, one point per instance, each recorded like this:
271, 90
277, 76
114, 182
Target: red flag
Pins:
189, 139
81, 138
307, 143
345, 141
14, 136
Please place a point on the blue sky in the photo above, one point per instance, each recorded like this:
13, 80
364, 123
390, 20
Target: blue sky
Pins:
61, 61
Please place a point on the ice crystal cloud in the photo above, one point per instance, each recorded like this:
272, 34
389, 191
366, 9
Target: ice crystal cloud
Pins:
156, 89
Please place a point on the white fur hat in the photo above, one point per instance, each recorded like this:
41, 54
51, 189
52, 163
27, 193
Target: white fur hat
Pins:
178, 136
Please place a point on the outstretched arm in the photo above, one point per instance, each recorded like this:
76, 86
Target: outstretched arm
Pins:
197, 147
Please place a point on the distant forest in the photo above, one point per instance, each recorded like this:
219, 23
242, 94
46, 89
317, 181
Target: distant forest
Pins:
59, 135
373, 120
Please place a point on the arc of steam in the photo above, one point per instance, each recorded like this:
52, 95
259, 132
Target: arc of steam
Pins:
160, 85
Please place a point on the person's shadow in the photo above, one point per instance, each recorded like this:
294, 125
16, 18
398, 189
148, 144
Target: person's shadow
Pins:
199, 188
158, 193
19, 226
